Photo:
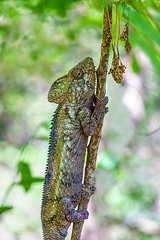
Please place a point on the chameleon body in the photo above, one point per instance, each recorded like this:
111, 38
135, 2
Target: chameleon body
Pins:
74, 120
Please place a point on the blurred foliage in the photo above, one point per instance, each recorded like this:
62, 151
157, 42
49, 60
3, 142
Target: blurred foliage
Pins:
5, 209
41, 40
26, 176
106, 161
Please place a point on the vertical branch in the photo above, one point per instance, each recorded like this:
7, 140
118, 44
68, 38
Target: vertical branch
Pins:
105, 51
118, 31
101, 72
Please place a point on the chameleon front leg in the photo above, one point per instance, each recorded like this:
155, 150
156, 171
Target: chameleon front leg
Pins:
89, 121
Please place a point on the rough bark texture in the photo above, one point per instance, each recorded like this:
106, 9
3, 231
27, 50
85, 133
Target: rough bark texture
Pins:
92, 149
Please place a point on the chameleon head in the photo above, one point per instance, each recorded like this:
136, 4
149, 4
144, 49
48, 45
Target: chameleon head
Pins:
82, 78
78, 84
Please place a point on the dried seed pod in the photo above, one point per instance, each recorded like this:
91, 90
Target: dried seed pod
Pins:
117, 70
128, 46
124, 34
124, 37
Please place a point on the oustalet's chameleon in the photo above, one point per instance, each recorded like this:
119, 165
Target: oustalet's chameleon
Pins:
76, 117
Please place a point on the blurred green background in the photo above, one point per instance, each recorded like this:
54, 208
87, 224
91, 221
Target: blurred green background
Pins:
39, 42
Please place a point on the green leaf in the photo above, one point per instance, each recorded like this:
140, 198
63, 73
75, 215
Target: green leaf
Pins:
24, 169
148, 48
26, 177
5, 209
145, 26
100, 4
106, 162
135, 66
59, 7
28, 182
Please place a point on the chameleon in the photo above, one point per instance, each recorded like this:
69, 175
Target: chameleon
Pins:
76, 118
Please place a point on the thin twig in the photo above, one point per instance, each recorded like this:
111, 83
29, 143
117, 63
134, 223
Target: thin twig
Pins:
115, 36
118, 32
150, 133
101, 72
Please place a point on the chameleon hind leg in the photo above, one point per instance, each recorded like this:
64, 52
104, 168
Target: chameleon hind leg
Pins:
71, 214
65, 215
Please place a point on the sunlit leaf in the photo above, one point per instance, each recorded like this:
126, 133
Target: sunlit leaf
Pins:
5, 209
148, 48
145, 26
135, 66
57, 7
100, 4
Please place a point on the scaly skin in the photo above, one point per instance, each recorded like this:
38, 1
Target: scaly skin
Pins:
74, 120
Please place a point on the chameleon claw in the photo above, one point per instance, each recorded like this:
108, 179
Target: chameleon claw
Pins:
106, 110
102, 102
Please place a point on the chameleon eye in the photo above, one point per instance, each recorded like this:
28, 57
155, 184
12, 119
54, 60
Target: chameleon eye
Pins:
77, 73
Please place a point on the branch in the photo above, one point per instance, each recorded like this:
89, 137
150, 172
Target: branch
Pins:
105, 51
101, 72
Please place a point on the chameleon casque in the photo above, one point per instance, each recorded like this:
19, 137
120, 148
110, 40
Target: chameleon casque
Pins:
76, 117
